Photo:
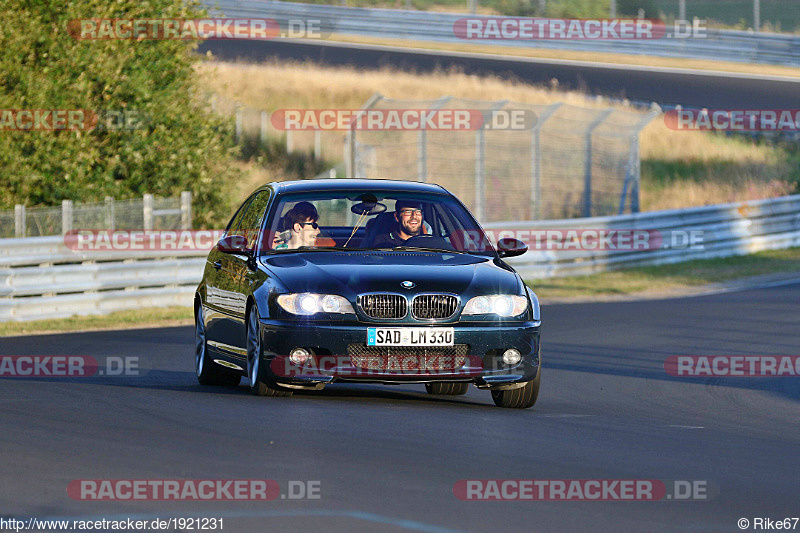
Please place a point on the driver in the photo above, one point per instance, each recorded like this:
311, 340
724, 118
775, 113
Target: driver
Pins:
408, 216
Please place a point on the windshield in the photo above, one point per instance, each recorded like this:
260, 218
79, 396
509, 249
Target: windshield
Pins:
363, 220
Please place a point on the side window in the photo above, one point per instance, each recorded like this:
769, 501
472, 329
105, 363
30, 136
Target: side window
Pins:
250, 223
234, 223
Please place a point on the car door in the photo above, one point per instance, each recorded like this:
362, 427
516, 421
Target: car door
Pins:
238, 264
222, 294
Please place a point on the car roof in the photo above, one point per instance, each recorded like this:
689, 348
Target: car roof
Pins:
330, 184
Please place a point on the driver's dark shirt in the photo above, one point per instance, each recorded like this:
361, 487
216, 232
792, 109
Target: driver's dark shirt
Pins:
391, 238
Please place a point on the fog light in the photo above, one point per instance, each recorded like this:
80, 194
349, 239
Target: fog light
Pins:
512, 356
299, 356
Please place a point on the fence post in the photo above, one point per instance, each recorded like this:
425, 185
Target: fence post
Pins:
633, 169
350, 140
147, 211
422, 143
239, 121
186, 210
289, 141
636, 174
756, 15
66, 216
19, 221
587, 165
317, 145
536, 161
348, 153
480, 169
264, 124
422, 155
110, 213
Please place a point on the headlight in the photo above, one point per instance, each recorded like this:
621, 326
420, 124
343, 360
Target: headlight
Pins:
309, 303
498, 304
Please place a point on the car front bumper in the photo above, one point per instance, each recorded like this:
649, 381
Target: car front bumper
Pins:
479, 360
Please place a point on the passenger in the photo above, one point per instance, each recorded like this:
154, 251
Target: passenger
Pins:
299, 224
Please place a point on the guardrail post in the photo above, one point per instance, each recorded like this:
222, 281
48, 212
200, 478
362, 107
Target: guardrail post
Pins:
186, 210
66, 216
19, 221
110, 213
587, 163
147, 211
264, 124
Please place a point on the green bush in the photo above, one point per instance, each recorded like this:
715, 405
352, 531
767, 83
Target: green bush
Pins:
181, 146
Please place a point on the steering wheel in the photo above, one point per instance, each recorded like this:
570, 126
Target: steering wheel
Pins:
428, 241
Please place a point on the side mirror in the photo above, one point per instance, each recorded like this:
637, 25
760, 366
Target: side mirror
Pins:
233, 244
510, 247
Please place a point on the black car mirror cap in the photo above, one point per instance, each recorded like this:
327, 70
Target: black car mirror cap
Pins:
233, 244
510, 247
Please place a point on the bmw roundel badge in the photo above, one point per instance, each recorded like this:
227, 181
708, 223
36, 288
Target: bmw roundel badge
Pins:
408, 284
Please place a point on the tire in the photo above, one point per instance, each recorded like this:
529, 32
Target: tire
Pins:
255, 369
447, 389
206, 370
521, 398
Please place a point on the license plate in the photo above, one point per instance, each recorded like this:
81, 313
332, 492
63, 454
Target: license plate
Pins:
410, 336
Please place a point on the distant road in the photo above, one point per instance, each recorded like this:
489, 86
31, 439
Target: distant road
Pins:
663, 86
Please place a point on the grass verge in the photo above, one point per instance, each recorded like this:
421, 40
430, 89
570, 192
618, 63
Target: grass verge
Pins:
137, 318
668, 279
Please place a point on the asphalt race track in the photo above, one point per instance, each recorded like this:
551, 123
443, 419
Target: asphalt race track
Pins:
664, 86
387, 458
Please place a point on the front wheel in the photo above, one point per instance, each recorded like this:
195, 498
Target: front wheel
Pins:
447, 389
255, 371
521, 398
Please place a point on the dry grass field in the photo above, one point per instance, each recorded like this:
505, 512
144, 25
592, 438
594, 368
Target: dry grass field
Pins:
679, 168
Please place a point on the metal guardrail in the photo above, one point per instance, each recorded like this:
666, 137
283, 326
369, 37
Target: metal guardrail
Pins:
731, 45
725, 230
40, 278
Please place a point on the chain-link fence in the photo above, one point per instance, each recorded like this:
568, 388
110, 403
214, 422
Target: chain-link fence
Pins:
148, 212
568, 162
571, 162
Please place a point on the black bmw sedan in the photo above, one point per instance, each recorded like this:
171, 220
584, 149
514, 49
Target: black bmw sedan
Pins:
370, 281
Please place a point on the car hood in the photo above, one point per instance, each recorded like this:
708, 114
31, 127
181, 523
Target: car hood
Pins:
351, 273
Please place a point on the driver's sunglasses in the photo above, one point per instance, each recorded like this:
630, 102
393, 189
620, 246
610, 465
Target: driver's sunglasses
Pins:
313, 224
408, 212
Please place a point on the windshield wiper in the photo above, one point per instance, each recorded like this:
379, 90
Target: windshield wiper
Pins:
422, 249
